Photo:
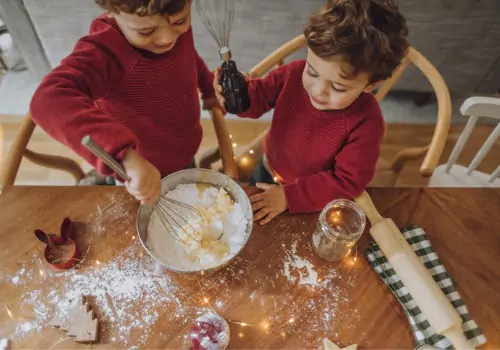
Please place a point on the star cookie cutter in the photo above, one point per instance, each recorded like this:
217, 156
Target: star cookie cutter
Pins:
53, 242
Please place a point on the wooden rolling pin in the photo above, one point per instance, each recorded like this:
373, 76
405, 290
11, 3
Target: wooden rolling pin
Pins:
429, 297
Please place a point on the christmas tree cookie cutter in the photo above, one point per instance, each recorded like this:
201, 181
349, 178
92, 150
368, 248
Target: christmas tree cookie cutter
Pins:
79, 321
53, 242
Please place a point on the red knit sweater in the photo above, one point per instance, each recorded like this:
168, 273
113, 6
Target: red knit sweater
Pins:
125, 97
318, 155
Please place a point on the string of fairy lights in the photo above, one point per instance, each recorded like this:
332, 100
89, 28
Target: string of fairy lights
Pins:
264, 325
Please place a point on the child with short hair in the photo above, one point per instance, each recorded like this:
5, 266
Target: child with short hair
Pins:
132, 85
327, 128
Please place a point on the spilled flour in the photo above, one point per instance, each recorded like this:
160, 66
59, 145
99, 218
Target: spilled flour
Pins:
305, 268
126, 294
135, 300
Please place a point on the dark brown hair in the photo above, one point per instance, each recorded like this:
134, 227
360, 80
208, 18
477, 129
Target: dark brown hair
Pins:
143, 7
370, 35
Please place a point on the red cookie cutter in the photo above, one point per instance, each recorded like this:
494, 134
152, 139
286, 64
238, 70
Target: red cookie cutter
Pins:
52, 241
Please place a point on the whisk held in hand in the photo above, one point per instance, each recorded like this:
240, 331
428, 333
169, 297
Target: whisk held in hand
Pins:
217, 16
174, 215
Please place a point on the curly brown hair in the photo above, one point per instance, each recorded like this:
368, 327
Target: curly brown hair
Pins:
143, 7
370, 35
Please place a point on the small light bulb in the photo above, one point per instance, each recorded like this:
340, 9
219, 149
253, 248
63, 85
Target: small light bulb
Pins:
244, 161
291, 320
235, 145
243, 324
98, 262
230, 136
133, 238
251, 151
205, 300
275, 179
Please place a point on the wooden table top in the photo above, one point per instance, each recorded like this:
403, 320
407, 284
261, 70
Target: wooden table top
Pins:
272, 281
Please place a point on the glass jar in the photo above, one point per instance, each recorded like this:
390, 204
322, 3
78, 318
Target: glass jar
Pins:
339, 227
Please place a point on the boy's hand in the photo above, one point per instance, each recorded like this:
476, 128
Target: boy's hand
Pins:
218, 87
145, 183
269, 204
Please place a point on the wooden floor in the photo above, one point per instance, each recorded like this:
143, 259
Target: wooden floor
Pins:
243, 132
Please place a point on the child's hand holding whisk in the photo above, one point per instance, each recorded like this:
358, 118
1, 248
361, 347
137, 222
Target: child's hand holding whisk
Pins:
145, 183
218, 87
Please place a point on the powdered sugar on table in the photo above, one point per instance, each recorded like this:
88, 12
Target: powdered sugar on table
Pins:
131, 297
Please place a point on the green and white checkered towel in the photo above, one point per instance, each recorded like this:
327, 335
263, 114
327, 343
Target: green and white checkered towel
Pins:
422, 330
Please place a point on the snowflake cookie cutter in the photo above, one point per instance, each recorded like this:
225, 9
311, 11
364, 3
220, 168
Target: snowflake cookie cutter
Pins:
65, 238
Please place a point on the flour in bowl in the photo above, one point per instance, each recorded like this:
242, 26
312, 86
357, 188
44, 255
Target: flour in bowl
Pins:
209, 239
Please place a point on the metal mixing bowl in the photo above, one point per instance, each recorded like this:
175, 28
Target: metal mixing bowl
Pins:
190, 176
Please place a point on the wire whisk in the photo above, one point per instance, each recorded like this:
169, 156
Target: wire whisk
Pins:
217, 16
174, 215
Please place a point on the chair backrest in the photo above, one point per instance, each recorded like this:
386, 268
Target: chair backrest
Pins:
18, 150
434, 150
474, 108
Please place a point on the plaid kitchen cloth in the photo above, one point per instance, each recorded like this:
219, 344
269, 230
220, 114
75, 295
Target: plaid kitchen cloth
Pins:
422, 330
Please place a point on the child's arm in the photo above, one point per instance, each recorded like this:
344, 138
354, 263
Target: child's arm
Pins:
63, 104
263, 92
354, 168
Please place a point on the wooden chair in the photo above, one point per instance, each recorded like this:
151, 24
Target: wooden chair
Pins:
455, 175
387, 171
19, 150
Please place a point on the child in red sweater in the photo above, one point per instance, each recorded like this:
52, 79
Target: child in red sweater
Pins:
324, 141
132, 85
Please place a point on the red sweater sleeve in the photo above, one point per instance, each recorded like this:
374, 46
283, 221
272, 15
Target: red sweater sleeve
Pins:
353, 169
205, 79
63, 104
264, 92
